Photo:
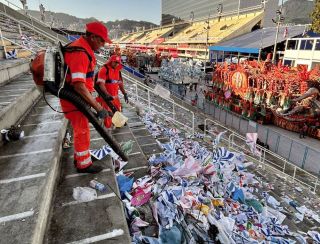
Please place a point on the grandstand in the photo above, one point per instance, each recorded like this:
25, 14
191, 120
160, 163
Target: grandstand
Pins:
151, 36
191, 39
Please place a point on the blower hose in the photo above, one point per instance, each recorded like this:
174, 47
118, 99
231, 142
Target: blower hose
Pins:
81, 105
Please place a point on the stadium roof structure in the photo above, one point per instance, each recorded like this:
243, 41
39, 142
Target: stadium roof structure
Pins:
259, 39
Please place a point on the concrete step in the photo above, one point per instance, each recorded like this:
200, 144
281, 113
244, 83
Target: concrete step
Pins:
15, 99
77, 222
10, 69
29, 169
95, 220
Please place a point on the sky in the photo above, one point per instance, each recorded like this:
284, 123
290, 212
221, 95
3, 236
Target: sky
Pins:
104, 10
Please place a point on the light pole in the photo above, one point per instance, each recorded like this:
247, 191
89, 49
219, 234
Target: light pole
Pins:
207, 40
220, 9
191, 16
278, 21
239, 3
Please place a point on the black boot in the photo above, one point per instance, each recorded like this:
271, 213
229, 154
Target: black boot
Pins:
92, 169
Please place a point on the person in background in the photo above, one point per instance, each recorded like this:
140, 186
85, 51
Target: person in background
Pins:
110, 81
42, 11
303, 131
24, 5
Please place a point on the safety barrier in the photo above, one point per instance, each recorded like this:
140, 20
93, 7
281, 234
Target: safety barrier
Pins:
265, 157
133, 71
272, 160
236, 142
172, 110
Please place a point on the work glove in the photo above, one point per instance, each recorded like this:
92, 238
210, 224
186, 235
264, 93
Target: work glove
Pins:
102, 114
126, 98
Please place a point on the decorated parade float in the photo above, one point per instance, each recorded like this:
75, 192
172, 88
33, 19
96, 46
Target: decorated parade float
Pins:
142, 56
181, 71
267, 93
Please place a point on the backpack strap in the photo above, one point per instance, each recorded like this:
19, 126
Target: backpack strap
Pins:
69, 49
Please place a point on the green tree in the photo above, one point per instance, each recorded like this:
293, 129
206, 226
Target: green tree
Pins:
316, 17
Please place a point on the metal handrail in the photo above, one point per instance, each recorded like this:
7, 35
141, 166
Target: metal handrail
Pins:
31, 17
17, 44
42, 32
150, 91
262, 160
314, 180
31, 27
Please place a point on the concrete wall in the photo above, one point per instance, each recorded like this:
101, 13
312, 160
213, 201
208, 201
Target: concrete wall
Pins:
12, 70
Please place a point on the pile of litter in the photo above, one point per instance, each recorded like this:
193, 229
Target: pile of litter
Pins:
198, 195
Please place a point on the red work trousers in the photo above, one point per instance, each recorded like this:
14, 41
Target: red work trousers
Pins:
116, 102
81, 134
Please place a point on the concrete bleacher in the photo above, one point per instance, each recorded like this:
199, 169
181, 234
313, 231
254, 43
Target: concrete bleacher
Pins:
31, 167
14, 38
152, 35
226, 28
18, 92
108, 205
136, 36
124, 38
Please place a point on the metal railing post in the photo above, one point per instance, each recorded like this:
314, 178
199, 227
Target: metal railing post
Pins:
20, 31
193, 123
294, 173
3, 44
173, 111
149, 101
205, 127
315, 185
137, 97
284, 166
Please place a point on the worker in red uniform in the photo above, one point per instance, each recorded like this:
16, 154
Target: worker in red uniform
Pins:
110, 81
80, 72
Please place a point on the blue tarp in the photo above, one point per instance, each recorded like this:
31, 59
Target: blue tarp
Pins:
234, 49
133, 71
262, 38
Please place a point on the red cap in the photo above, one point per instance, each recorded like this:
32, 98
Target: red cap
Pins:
115, 58
98, 29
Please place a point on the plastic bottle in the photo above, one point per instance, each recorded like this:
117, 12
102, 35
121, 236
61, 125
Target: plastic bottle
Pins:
98, 186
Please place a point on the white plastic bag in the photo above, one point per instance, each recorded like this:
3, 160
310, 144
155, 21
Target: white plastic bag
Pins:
84, 194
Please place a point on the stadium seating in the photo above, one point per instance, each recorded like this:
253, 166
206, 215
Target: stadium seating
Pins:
226, 28
153, 35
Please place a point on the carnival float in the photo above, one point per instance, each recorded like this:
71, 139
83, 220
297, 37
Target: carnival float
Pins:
267, 93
